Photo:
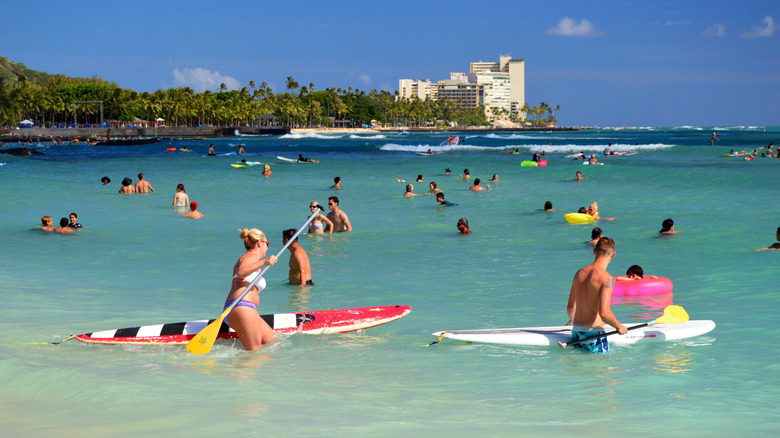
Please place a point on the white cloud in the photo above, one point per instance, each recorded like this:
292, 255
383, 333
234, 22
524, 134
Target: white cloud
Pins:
200, 79
716, 30
569, 27
364, 79
762, 31
677, 23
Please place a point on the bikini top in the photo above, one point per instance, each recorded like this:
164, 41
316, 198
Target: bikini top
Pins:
251, 277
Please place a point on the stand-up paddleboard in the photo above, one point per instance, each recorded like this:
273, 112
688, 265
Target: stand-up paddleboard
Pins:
544, 336
315, 322
645, 286
578, 218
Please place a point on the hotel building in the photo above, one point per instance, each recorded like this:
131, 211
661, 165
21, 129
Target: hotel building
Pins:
499, 87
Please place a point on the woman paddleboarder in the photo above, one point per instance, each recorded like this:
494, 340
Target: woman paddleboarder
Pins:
253, 331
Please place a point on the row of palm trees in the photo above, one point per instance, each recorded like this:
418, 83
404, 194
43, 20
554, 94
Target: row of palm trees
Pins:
297, 106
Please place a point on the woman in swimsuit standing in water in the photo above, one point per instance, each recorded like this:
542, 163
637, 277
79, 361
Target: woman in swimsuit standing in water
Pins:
181, 199
252, 330
316, 226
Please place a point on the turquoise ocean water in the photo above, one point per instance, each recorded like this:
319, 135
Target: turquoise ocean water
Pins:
137, 262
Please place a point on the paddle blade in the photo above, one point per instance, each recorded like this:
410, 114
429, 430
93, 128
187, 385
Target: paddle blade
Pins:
204, 340
673, 315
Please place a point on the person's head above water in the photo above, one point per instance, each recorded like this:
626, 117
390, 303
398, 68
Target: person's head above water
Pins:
667, 225
595, 233
635, 271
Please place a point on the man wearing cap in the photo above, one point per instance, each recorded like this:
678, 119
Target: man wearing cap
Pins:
194, 213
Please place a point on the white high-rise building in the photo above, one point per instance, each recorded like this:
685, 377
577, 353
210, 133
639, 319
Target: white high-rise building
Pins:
497, 86
422, 88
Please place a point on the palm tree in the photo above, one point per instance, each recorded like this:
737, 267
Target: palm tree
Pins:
291, 84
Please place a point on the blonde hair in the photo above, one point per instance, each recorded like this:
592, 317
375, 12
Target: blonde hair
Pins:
314, 204
251, 237
46, 220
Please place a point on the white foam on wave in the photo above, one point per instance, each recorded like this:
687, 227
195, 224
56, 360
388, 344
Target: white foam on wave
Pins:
511, 137
311, 135
367, 137
528, 148
573, 148
435, 148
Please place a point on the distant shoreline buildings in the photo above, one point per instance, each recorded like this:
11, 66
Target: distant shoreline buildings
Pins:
499, 87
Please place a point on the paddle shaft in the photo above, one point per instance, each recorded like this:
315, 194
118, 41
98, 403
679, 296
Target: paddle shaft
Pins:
265, 268
603, 335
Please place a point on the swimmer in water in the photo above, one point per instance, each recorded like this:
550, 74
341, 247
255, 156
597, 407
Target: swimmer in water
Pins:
775, 246
595, 235
476, 187
410, 192
667, 227
463, 226
193, 213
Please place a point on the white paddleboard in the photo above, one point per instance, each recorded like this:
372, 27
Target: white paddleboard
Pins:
552, 335
290, 160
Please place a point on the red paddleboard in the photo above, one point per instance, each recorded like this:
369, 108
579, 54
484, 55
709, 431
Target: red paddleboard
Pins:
316, 322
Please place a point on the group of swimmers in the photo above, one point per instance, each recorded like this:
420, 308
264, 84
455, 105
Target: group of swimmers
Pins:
766, 153
67, 225
142, 186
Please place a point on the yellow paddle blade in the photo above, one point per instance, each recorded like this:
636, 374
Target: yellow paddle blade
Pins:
204, 340
673, 315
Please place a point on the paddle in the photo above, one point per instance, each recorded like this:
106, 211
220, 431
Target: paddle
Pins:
672, 315
204, 340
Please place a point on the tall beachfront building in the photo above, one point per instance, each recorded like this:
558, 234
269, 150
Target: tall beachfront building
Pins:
497, 86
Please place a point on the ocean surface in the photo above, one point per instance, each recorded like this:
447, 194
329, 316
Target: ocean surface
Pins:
138, 262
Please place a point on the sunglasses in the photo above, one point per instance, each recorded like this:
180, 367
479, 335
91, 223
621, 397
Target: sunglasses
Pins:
331, 203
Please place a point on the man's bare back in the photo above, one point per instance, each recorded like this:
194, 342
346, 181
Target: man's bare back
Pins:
143, 187
300, 268
591, 291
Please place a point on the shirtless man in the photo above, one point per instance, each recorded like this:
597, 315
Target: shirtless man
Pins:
337, 216
336, 183
63, 228
143, 186
595, 236
194, 213
476, 187
589, 299
300, 268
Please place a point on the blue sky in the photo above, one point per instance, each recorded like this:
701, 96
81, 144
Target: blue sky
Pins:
632, 63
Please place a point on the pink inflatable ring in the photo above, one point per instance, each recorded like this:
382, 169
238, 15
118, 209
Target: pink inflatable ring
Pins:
642, 287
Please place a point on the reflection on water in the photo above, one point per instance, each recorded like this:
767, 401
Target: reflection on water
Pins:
676, 360
651, 305
300, 294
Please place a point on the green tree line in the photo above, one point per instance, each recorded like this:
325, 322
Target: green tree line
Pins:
296, 106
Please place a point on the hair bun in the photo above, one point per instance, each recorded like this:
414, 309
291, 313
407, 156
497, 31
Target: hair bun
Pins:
244, 233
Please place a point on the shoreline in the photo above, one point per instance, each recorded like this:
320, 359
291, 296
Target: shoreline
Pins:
83, 134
